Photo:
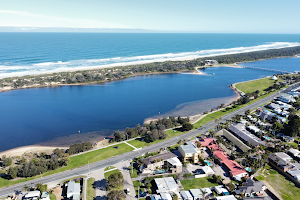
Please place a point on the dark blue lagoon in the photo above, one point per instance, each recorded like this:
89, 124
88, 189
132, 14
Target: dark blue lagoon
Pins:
39, 115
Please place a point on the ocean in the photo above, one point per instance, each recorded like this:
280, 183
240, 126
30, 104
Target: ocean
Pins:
30, 53
69, 114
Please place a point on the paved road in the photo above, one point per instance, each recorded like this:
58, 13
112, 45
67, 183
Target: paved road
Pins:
130, 155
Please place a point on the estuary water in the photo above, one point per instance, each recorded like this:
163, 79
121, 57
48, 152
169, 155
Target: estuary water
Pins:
69, 114
39, 115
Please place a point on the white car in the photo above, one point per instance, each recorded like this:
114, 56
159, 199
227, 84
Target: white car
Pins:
128, 191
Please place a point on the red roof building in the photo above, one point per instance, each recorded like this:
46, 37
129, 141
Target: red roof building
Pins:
236, 171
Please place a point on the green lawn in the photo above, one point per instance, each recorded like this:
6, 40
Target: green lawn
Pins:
106, 174
77, 161
134, 174
136, 184
284, 187
261, 85
90, 189
198, 183
52, 197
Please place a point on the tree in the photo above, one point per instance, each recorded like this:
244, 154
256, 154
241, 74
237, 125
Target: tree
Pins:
26, 188
7, 161
293, 125
199, 145
13, 172
116, 195
187, 126
247, 112
115, 180
175, 197
39, 186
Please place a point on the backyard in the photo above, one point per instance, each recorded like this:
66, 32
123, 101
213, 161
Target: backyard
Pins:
198, 183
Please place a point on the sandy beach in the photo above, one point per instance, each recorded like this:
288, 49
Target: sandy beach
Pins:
19, 151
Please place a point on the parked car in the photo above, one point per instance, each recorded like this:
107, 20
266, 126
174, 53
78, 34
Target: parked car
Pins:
128, 191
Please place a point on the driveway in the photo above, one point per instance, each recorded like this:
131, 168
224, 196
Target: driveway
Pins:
100, 184
220, 171
190, 167
123, 167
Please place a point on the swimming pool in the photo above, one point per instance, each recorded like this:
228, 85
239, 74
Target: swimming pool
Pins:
208, 163
267, 137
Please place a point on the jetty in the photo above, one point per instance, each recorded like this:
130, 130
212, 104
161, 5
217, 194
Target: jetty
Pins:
267, 69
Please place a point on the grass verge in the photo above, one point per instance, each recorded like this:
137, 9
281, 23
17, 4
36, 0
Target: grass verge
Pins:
52, 197
90, 189
106, 174
78, 161
260, 84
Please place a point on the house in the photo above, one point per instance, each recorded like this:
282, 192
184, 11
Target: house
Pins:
189, 152
73, 190
220, 190
45, 196
196, 194
159, 161
273, 106
166, 185
254, 129
252, 188
228, 197
240, 131
282, 160
165, 196
186, 195
258, 198
286, 98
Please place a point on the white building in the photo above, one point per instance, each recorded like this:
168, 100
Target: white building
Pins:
73, 190
33, 194
208, 170
286, 98
45, 196
228, 197
166, 185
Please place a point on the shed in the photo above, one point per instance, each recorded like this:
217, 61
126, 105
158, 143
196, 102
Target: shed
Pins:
45, 196
208, 170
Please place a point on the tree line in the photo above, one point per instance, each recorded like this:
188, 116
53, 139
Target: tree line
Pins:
43, 162
151, 132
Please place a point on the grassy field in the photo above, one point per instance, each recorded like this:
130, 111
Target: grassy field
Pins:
198, 183
77, 161
284, 187
136, 184
90, 189
260, 84
134, 174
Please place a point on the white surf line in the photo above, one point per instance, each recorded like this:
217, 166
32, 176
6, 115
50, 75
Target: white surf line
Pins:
131, 145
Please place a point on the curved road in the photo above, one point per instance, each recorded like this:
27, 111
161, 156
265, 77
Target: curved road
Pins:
130, 155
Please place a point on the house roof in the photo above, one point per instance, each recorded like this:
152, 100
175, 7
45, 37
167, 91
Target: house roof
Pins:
240, 130
251, 186
165, 196
206, 142
228, 197
189, 148
295, 152
196, 193
167, 184
186, 195
164, 156
73, 188
174, 161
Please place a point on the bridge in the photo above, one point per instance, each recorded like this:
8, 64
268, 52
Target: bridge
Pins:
267, 69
